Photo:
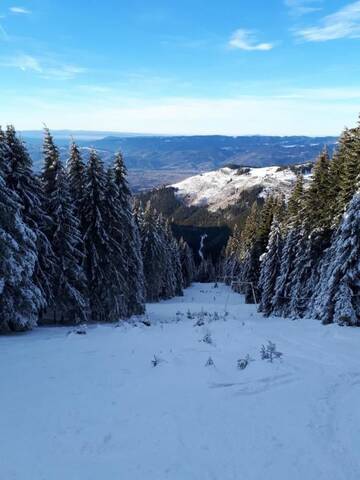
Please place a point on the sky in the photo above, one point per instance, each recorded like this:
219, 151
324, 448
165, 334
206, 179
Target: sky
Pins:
236, 67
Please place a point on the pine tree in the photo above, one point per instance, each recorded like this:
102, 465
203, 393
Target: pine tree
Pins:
76, 175
270, 268
295, 202
338, 298
187, 263
206, 271
131, 241
317, 196
69, 287
173, 281
350, 150
102, 250
21, 179
20, 299
232, 254
114, 221
282, 295
314, 235
51, 159
292, 232
152, 254
336, 172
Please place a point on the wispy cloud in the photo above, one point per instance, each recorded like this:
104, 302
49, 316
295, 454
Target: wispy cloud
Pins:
46, 69
345, 23
20, 10
63, 71
22, 62
302, 7
3, 34
246, 40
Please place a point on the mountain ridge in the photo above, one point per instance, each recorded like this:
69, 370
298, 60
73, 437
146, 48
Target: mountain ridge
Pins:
159, 160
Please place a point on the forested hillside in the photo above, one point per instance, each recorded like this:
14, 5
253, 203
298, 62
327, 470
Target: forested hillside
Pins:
301, 258
71, 247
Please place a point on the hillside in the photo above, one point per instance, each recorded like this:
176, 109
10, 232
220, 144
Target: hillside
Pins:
96, 407
222, 188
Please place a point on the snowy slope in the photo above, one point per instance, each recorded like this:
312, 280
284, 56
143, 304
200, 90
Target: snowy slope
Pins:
90, 407
221, 188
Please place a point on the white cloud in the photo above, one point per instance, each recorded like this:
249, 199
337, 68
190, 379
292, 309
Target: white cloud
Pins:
345, 23
20, 10
63, 72
246, 40
302, 7
45, 68
23, 62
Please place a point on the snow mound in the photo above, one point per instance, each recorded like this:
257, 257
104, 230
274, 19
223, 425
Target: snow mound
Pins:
221, 188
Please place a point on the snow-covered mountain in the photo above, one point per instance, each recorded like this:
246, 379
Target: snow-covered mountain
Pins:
221, 188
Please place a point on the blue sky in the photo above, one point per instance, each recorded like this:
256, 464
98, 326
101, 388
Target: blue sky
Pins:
181, 67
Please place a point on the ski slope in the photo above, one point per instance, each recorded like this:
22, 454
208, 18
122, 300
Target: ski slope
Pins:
93, 407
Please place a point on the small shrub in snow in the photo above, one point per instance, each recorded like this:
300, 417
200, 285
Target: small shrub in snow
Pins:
209, 362
155, 361
189, 315
200, 321
269, 352
79, 330
242, 363
207, 338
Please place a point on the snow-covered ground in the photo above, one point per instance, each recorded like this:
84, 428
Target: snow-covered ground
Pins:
93, 407
221, 188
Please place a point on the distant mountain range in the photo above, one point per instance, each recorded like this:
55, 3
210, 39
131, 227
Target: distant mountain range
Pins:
156, 160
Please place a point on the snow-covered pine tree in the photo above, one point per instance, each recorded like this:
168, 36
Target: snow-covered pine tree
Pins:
119, 286
292, 234
69, 303
350, 150
245, 255
20, 299
176, 262
187, 263
131, 241
172, 276
270, 268
313, 239
206, 271
76, 174
254, 239
21, 179
102, 250
152, 254
231, 267
50, 163
338, 298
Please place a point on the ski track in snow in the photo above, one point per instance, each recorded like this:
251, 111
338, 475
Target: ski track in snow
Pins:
91, 407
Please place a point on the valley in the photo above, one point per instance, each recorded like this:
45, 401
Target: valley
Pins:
153, 161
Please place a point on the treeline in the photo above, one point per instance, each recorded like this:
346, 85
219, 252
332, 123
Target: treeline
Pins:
301, 257
71, 247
